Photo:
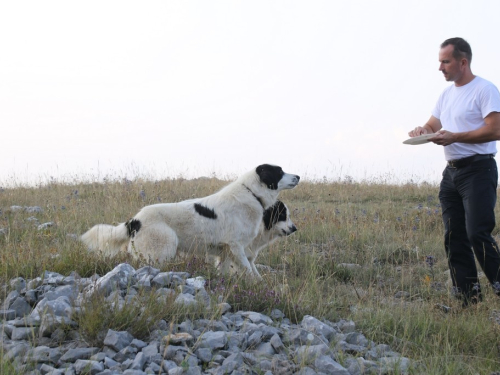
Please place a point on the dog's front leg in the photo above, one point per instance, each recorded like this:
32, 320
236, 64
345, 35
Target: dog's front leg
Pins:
254, 269
241, 259
251, 256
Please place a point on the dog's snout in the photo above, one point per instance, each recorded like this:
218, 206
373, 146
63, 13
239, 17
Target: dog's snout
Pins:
293, 228
295, 179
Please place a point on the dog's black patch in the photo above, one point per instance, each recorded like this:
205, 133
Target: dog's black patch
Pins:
205, 211
270, 175
133, 226
274, 214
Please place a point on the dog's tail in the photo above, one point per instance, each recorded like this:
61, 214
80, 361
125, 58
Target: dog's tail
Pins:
110, 239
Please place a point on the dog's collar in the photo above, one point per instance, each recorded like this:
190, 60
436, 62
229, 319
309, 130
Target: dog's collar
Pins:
259, 199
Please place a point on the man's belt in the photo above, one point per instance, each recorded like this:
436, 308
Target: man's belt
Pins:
460, 163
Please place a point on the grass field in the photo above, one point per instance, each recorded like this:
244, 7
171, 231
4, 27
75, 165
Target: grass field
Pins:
369, 252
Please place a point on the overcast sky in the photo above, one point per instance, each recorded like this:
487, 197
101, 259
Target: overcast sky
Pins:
192, 88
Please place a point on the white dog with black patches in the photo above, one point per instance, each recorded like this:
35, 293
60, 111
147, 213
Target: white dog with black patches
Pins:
231, 217
276, 223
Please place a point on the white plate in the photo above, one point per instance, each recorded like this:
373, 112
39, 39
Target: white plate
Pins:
421, 139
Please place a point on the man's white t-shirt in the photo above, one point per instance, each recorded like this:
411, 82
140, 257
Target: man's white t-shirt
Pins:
464, 108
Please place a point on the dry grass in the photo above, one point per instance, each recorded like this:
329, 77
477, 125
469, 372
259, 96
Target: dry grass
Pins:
386, 231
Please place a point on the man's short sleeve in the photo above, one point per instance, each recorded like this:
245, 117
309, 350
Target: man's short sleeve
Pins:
490, 100
436, 111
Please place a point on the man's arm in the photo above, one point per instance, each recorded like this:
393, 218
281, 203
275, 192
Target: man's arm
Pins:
431, 126
487, 133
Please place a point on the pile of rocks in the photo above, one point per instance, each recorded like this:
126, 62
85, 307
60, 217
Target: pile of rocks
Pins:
39, 336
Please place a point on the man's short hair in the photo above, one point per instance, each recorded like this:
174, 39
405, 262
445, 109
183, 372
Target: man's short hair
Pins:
461, 48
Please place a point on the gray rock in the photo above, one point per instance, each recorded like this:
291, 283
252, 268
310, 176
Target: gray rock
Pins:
24, 333
121, 277
21, 307
393, 364
147, 270
60, 307
171, 352
45, 226
72, 355
264, 349
311, 324
7, 329
277, 344
51, 323
162, 279
186, 300
17, 351
204, 354
307, 371
53, 278
44, 354
213, 340
71, 291
256, 317
33, 209
127, 353
346, 326
150, 351
308, 353
237, 340
231, 363
203, 298
7, 314
359, 365
110, 363
35, 283
144, 282
17, 284
356, 338
243, 342
352, 349
118, 340
83, 366
139, 362
299, 336
255, 339
327, 365
187, 289
10, 298
277, 314
196, 282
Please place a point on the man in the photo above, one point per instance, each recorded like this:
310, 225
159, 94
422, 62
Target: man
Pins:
466, 120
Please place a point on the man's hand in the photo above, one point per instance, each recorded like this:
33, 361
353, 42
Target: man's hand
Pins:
432, 126
444, 138
419, 130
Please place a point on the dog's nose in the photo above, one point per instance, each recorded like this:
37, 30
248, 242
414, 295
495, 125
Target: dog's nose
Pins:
293, 229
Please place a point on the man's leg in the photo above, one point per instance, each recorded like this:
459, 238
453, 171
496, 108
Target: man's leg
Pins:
480, 195
457, 246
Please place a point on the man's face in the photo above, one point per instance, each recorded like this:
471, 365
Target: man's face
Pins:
451, 67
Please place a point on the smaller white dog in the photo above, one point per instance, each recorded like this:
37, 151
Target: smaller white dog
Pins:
276, 224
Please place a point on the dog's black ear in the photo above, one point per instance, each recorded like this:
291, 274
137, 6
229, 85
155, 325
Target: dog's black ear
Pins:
275, 213
133, 226
270, 175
